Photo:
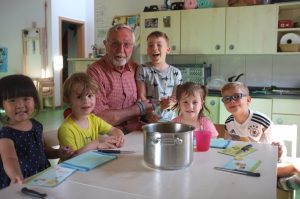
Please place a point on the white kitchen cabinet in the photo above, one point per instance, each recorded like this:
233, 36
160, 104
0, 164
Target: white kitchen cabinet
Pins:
203, 31
231, 30
287, 111
165, 21
257, 104
213, 105
251, 29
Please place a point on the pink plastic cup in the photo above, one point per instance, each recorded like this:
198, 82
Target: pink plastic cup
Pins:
202, 139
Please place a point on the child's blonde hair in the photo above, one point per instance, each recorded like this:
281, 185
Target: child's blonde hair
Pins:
158, 34
188, 89
86, 81
235, 85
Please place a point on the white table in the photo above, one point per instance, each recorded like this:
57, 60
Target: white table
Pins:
129, 177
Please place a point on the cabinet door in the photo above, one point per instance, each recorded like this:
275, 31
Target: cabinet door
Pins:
262, 105
286, 106
257, 104
213, 105
203, 31
289, 119
164, 21
251, 29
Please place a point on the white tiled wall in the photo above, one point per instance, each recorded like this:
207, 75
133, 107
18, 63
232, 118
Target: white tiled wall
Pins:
260, 70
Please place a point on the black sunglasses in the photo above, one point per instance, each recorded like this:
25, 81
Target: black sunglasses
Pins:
235, 97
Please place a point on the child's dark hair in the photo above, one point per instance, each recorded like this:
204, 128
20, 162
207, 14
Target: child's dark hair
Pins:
191, 88
157, 34
13, 86
86, 81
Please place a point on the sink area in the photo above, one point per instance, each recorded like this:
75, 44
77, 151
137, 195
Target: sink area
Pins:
274, 91
267, 92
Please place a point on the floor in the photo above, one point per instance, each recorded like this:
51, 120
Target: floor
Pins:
51, 119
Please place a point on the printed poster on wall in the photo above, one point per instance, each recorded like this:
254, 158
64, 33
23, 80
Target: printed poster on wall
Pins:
3, 59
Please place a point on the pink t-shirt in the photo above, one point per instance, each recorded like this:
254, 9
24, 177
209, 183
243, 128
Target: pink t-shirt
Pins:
206, 124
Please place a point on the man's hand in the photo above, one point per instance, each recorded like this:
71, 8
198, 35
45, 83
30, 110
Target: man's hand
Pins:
147, 105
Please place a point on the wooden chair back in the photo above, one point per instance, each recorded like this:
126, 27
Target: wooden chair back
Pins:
45, 88
221, 130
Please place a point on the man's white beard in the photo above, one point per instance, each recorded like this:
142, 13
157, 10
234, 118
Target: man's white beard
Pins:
119, 62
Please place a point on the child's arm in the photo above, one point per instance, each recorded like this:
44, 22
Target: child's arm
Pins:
226, 135
52, 153
286, 169
10, 161
104, 142
168, 102
62, 152
141, 90
207, 124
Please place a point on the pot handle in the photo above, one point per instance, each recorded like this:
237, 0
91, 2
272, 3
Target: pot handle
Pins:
172, 141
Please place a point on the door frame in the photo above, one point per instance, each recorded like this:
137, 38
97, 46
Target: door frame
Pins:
80, 40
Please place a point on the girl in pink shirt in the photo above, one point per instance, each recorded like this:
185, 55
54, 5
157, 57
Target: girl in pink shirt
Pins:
190, 104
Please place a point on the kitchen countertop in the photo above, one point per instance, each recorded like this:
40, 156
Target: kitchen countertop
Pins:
266, 92
83, 59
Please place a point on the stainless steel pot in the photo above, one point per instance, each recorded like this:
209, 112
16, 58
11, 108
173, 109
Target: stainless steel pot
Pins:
168, 145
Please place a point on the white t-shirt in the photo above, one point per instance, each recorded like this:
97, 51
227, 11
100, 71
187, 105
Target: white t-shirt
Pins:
257, 128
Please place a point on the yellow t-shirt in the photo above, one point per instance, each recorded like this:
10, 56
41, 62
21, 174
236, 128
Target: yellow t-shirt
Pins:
72, 135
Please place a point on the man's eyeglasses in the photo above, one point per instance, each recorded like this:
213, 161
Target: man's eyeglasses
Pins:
117, 44
235, 97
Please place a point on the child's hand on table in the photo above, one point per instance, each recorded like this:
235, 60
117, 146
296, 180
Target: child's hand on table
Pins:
280, 151
17, 179
66, 152
109, 142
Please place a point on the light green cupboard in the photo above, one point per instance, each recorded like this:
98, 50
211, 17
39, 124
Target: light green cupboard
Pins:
287, 111
213, 104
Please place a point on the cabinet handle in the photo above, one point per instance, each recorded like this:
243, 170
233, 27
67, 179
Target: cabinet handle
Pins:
212, 102
231, 47
279, 121
217, 47
173, 47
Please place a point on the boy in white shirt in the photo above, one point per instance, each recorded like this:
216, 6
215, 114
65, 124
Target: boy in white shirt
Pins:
247, 125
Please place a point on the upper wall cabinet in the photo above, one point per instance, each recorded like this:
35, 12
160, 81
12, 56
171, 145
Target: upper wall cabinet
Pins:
230, 30
251, 29
203, 31
165, 21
